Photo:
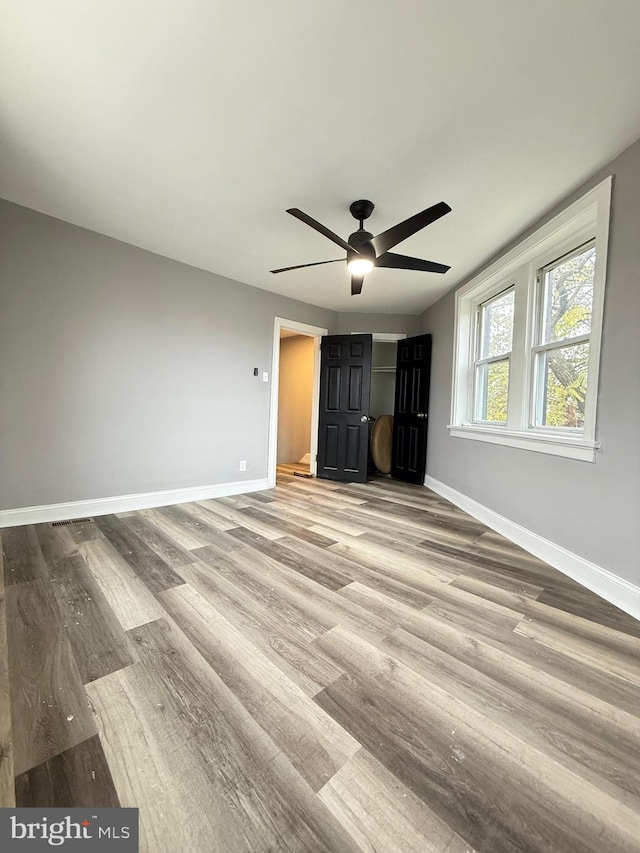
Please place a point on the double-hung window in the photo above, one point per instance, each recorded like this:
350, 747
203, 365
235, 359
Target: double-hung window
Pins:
564, 305
494, 338
528, 334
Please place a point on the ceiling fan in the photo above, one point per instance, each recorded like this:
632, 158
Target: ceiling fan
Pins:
364, 251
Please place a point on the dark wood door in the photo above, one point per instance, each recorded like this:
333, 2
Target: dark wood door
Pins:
343, 429
413, 367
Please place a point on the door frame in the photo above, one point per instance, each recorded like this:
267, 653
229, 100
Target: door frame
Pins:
316, 333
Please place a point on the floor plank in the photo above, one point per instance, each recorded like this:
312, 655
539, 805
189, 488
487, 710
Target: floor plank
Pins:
153, 767
199, 523
625, 665
383, 814
129, 598
292, 553
151, 568
97, 639
49, 707
22, 557
288, 528
163, 545
182, 535
304, 510
78, 777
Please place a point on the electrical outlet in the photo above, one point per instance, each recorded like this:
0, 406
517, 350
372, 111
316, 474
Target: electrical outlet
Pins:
243, 464
265, 376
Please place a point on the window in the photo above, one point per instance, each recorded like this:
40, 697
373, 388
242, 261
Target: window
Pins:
494, 338
528, 338
564, 306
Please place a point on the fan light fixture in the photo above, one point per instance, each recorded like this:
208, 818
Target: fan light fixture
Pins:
364, 251
360, 266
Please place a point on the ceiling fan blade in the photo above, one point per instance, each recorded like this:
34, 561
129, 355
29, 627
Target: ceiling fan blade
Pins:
308, 220
302, 266
390, 238
404, 262
356, 284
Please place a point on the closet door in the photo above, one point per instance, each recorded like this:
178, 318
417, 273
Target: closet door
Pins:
343, 422
413, 369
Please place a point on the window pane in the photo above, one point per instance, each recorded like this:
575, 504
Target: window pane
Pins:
567, 297
496, 325
563, 386
492, 391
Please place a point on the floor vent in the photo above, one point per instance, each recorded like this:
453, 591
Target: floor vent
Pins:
71, 521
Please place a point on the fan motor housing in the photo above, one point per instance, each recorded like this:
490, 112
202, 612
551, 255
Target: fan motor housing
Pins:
360, 240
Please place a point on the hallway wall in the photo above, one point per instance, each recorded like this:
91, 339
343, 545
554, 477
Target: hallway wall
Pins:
294, 398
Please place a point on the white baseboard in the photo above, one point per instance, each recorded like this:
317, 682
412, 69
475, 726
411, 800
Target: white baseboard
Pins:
125, 503
614, 589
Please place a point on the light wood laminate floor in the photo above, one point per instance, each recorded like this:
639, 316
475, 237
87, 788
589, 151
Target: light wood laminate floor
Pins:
319, 667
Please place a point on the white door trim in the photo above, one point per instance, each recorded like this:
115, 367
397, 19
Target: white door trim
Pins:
316, 333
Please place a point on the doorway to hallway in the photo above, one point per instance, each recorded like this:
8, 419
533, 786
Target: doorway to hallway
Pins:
295, 400
293, 435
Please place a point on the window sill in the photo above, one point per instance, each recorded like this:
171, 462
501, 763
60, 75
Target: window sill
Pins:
555, 445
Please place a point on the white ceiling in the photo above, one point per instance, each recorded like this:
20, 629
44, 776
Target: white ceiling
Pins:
188, 126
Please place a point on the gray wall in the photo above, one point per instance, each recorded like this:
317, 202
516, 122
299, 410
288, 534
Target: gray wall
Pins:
591, 509
122, 371
391, 323
383, 383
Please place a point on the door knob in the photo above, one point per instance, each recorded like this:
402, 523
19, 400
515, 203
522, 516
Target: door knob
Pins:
421, 415
364, 419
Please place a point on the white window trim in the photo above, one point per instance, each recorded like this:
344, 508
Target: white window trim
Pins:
585, 219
